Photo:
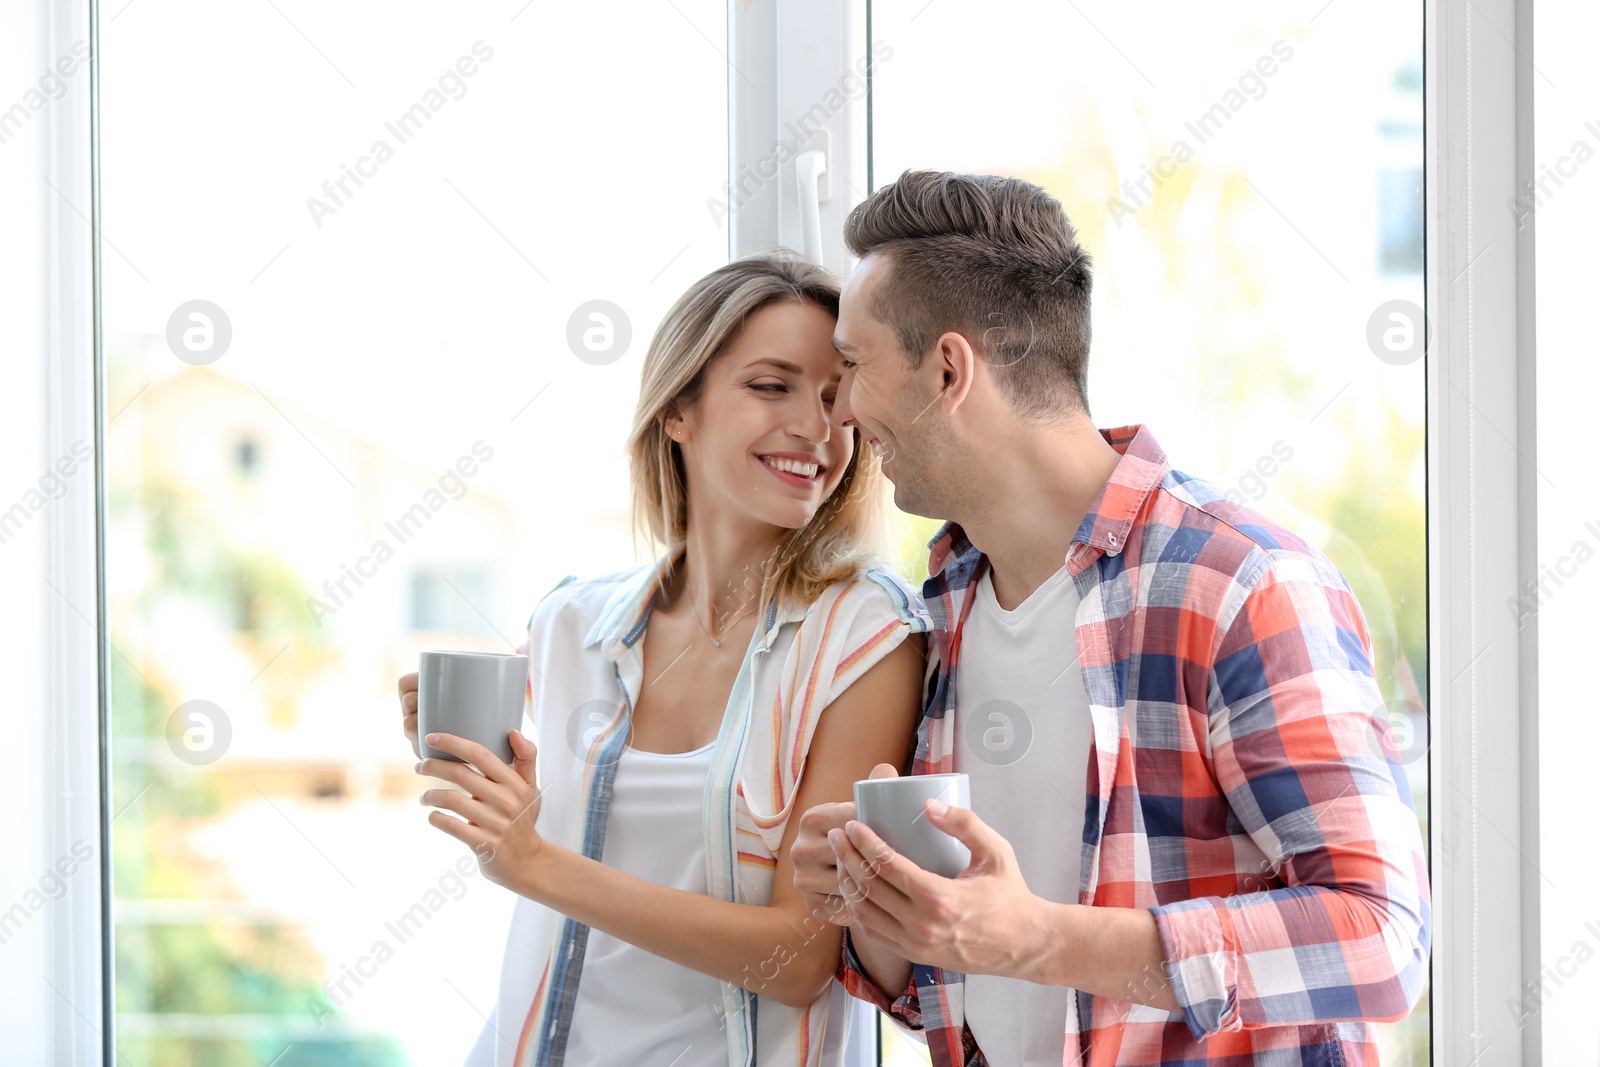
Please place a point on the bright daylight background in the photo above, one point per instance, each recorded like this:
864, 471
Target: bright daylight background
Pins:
375, 345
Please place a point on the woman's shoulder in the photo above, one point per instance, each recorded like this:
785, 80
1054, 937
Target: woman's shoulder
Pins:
853, 625
876, 593
576, 603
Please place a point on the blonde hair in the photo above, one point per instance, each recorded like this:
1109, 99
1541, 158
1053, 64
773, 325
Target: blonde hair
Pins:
845, 533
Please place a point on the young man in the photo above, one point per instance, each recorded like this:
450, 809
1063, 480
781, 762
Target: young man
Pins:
1196, 841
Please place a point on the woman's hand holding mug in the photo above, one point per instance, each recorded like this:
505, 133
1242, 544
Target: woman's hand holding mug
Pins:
498, 807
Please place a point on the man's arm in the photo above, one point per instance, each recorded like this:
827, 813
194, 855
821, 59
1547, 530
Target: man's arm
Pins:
1301, 749
868, 970
987, 921
1107, 952
878, 962
946, 1043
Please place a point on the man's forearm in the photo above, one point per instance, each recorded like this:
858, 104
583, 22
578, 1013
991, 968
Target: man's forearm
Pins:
1108, 952
887, 970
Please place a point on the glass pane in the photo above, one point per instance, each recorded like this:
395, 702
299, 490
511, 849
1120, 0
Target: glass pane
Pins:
1251, 190
346, 247
900, 1049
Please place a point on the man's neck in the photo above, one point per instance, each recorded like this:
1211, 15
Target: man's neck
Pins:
1035, 503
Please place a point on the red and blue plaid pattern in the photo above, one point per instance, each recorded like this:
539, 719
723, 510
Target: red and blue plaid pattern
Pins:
1242, 785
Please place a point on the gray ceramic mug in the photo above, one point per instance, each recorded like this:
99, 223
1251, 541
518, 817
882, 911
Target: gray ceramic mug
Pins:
892, 808
475, 695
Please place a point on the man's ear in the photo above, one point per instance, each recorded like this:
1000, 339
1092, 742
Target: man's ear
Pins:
957, 364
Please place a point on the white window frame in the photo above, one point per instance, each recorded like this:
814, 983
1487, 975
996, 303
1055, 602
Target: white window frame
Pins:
785, 55
54, 967
1482, 527
787, 59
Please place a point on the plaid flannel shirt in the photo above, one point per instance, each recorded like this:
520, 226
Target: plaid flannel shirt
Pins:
1242, 785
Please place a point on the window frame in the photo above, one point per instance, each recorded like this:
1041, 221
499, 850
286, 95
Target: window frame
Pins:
56, 594
1480, 375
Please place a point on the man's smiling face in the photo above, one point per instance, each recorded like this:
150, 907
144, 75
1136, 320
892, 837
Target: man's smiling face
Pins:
882, 395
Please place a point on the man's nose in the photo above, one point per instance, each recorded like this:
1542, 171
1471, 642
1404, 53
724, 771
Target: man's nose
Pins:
843, 416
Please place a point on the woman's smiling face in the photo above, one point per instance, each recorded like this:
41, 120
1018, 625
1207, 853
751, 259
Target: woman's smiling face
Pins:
760, 438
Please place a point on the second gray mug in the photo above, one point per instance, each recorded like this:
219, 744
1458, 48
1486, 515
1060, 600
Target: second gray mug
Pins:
892, 808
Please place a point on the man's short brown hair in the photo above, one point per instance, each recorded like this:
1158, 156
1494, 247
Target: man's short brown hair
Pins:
995, 259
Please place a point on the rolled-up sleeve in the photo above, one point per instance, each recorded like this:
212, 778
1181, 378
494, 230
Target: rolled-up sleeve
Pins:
904, 1009
1300, 746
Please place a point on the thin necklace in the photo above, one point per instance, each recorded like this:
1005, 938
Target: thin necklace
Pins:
695, 612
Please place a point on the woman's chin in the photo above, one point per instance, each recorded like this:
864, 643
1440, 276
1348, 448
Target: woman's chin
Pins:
789, 516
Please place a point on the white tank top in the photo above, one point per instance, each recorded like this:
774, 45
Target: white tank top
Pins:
634, 1007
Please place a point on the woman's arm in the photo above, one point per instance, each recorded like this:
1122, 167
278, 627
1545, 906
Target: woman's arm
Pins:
777, 950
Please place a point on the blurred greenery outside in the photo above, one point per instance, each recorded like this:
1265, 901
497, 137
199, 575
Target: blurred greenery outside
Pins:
201, 968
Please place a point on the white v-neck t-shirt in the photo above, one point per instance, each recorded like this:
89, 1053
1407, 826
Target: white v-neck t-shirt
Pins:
1022, 737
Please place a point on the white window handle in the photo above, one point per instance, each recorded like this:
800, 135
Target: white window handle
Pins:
808, 168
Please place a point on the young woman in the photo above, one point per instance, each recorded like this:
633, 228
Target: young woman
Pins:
686, 711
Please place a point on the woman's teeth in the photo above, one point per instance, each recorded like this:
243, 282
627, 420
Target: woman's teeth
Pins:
791, 466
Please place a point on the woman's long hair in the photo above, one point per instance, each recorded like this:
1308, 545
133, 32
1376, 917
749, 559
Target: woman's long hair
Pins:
846, 532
